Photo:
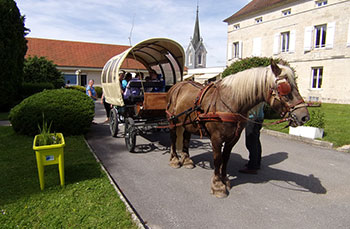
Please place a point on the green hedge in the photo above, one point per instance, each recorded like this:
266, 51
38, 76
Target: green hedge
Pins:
251, 62
70, 111
77, 87
29, 89
98, 91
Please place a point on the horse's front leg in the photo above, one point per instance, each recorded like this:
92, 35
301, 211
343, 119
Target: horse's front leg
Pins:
226, 156
218, 187
186, 161
174, 160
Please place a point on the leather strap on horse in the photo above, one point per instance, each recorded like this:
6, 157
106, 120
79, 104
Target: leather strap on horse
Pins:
203, 117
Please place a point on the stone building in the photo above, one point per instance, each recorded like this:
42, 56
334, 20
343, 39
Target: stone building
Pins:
314, 36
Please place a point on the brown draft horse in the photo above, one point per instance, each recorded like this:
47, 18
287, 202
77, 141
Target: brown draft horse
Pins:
220, 112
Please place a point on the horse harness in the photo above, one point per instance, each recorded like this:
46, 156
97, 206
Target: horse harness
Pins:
201, 116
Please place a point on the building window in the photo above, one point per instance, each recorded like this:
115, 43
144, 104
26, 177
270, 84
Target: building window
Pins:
286, 12
285, 41
258, 20
321, 3
317, 74
235, 50
200, 59
236, 26
320, 36
70, 79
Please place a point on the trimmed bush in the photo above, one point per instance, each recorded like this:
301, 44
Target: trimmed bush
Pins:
29, 89
98, 91
251, 62
70, 111
78, 88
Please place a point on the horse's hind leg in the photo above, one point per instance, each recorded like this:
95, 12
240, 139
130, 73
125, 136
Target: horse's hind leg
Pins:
185, 156
174, 160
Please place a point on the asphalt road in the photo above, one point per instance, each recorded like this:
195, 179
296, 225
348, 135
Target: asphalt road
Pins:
298, 186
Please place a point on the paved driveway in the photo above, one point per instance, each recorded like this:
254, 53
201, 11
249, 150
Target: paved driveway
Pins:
299, 185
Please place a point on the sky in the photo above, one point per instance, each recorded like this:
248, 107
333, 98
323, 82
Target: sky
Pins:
127, 22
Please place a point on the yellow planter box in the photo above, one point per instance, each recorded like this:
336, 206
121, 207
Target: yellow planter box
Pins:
49, 155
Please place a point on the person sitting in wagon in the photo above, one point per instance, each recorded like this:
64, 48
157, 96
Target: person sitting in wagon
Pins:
132, 91
156, 78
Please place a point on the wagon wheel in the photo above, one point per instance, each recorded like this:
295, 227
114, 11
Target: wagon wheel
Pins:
130, 134
113, 122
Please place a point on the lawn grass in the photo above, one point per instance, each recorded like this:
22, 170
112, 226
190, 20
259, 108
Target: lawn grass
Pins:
4, 115
337, 123
88, 200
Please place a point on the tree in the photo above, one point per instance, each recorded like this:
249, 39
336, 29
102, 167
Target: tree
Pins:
39, 69
13, 47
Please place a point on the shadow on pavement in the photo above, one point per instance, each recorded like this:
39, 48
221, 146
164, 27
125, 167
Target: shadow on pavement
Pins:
293, 181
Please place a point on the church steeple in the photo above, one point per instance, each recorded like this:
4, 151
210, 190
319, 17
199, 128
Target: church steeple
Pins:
196, 34
196, 52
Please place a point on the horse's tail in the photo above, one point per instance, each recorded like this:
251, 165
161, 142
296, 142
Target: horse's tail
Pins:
171, 98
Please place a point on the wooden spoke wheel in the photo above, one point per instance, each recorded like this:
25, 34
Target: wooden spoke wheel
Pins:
130, 134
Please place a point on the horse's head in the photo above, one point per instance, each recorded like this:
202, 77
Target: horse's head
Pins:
284, 96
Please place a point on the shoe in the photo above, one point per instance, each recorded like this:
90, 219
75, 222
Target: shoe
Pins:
247, 170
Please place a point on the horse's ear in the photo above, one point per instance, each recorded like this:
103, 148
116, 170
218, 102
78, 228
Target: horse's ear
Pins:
274, 67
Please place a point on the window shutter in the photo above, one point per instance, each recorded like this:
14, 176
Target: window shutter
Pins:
240, 49
330, 35
229, 51
292, 41
257, 46
348, 43
308, 38
276, 43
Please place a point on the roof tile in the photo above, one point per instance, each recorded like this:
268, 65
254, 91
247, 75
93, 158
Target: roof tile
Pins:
77, 54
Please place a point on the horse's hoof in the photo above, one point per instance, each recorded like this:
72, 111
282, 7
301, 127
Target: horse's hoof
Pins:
218, 188
188, 163
175, 163
219, 194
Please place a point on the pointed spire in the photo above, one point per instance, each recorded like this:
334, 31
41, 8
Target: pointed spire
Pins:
196, 35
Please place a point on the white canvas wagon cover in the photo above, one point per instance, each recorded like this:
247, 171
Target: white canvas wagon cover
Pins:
163, 55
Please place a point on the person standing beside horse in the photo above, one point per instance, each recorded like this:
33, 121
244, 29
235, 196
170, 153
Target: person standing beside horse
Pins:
252, 139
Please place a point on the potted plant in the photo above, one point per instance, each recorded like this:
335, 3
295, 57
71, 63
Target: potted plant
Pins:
48, 149
314, 128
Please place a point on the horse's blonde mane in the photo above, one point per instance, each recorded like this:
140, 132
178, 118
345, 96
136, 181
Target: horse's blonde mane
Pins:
250, 86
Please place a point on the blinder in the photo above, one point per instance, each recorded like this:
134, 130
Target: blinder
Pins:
284, 88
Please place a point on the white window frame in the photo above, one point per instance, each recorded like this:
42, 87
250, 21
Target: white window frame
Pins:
320, 3
285, 41
257, 46
316, 78
320, 41
258, 20
286, 12
348, 42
